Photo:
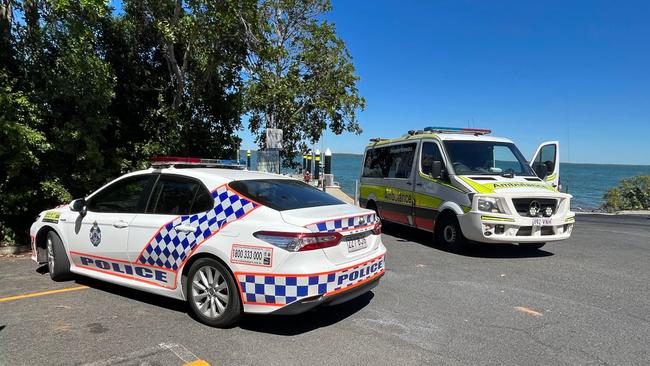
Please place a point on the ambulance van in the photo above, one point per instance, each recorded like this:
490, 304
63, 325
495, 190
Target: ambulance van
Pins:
464, 186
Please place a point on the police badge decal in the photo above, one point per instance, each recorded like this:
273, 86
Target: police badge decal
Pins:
95, 234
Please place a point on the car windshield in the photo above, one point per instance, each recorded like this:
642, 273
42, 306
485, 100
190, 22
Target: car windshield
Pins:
487, 158
283, 194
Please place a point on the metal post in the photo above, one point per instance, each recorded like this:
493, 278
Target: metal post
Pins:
304, 161
356, 192
317, 165
248, 159
309, 162
328, 161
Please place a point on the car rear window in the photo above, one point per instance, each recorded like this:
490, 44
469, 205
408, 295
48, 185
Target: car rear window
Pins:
283, 194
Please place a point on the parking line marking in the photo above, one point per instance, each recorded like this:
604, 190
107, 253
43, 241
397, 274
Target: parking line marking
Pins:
528, 311
197, 363
43, 293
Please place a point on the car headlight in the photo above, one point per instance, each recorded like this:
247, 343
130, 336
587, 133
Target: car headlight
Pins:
490, 204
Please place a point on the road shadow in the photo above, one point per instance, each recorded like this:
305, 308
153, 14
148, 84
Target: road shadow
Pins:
42, 270
475, 250
2, 327
145, 297
272, 324
320, 317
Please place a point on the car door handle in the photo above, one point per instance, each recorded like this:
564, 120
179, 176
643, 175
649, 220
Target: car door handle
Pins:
409, 183
185, 228
120, 224
419, 184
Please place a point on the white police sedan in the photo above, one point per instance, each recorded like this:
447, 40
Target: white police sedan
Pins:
228, 241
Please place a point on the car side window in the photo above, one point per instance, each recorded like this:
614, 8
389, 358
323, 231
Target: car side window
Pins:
124, 196
430, 153
179, 196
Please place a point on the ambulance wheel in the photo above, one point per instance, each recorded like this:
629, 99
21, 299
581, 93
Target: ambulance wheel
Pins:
531, 246
57, 262
212, 293
448, 233
371, 205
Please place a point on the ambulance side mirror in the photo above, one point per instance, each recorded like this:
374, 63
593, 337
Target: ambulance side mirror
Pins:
436, 169
79, 205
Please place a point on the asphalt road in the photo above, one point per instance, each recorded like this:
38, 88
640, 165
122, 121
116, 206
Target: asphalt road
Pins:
582, 301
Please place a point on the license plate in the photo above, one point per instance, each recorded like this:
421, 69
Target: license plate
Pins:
541, 222
257, 256
357, 244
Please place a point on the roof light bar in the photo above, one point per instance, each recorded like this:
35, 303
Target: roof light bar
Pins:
471, 131
212, 163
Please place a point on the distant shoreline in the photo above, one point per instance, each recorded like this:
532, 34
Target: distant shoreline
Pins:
561, 162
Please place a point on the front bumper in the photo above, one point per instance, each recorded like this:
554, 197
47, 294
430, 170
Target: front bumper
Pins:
497, 228
294, 293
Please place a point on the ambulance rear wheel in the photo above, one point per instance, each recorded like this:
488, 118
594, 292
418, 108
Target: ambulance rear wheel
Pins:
371, 205
449, 235
212, 293
57, 261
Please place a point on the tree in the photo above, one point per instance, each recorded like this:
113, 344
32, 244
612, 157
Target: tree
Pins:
178, 77
631, 194
20, 151
299, 74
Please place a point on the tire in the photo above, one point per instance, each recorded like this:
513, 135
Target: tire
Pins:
218, 306
57, 260
449, 235
531, 246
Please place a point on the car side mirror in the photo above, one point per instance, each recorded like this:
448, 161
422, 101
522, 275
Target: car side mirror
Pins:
436, 169
79, 205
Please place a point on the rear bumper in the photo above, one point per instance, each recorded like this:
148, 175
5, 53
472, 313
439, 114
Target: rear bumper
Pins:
294, 293
306, 304
491, 228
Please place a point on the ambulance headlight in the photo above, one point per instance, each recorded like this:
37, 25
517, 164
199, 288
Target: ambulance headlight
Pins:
490, 204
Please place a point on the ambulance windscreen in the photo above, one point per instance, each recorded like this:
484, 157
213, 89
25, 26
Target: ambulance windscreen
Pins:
487, 158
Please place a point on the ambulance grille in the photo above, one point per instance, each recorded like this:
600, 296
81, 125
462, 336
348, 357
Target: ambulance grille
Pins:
522, 205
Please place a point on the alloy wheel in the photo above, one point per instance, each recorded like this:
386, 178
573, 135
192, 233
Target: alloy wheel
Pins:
50, 255
210, 292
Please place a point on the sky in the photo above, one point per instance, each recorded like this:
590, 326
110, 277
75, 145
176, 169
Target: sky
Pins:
531, 71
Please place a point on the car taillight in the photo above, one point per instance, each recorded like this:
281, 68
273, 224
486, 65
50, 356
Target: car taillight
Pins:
299, 242
377, 229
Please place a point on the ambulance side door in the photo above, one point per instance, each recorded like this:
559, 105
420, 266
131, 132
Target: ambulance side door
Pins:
430, 190
546, 162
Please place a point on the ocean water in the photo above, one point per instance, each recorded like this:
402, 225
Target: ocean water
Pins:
586, 182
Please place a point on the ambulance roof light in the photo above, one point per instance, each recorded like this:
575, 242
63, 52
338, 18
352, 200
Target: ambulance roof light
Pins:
192, 162
470, 131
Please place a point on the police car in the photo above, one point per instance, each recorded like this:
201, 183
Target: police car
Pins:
228, 241
461, 183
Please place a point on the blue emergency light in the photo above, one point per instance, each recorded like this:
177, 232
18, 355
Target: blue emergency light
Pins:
471, 131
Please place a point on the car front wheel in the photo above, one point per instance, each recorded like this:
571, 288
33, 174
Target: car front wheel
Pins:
57, 262
212, 293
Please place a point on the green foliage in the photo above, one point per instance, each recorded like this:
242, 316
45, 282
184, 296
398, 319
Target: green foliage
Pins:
631, 194
300, 75
86, 95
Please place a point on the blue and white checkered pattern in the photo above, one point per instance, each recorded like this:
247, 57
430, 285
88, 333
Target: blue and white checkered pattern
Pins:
347, 223
169, 248
282, 290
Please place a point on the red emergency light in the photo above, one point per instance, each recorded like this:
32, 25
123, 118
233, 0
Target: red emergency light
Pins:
158, 161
